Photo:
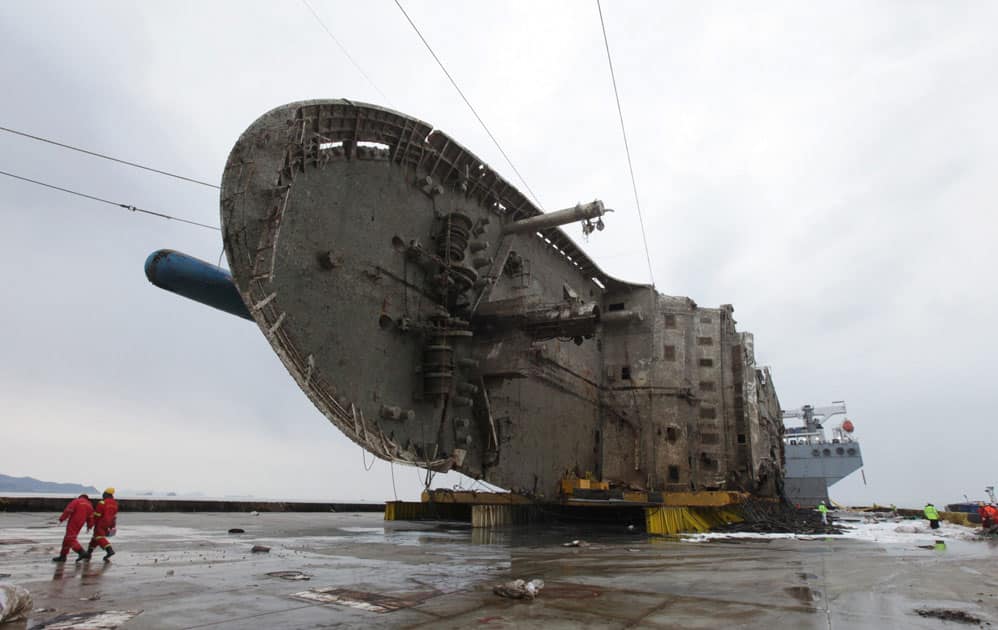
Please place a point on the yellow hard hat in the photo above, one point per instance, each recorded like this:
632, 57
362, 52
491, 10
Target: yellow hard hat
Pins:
109, 491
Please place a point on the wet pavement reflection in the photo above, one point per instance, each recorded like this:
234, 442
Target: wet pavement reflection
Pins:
187, 570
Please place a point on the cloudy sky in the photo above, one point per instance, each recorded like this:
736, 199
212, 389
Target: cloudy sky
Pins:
828, 170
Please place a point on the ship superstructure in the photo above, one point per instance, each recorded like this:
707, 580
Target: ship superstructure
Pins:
814, 462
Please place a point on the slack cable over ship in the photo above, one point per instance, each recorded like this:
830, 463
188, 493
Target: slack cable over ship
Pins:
439, 319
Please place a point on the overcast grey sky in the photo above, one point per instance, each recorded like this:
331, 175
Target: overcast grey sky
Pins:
828, 169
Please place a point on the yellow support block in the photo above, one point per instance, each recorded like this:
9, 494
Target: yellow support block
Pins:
667, 520
957, 518
572, 483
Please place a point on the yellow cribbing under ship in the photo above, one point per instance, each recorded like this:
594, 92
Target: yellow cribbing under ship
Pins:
694, 512
667, 521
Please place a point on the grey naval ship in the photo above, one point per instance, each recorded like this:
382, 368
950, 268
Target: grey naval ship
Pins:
813, 462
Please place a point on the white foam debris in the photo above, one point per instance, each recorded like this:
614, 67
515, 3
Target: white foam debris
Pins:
889, 530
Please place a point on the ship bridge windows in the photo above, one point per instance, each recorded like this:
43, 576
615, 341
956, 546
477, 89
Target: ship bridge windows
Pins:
671, 434
625, 373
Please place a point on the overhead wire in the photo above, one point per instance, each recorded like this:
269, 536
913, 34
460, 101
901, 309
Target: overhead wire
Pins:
343, 49
627, 148
468, 103
111, 203
104, 156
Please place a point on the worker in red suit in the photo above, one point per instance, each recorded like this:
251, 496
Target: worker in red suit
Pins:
988, 514
105, 519
79, 512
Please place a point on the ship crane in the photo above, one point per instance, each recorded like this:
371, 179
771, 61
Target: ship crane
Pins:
814, 419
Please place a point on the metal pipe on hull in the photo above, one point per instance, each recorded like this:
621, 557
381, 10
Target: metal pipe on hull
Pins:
580, 212
196, 280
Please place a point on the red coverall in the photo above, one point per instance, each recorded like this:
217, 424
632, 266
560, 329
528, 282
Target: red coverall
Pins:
79, 512
989, 515
104, 520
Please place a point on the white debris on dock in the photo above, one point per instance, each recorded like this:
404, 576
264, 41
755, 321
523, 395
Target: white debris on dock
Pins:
891, 530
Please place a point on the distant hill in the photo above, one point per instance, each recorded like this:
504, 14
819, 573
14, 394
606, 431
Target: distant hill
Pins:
30, 484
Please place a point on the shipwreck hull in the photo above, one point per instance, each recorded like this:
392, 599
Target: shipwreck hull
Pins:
381, 260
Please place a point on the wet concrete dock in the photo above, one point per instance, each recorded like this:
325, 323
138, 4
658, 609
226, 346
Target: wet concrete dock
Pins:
186, 571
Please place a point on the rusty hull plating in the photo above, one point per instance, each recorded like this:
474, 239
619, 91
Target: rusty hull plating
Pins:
392, 273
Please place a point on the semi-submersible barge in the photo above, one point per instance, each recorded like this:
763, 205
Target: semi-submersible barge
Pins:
439, 319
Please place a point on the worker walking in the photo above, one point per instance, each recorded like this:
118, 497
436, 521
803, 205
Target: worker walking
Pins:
79, 512
823, 509
932, 514
105, 519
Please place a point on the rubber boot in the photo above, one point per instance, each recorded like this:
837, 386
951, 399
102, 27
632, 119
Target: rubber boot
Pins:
109, 552
61, 558
82, 555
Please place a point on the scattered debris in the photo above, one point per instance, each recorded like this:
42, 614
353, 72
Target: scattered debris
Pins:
254, 513
17, 541
947, 614
260, 549
15, 603
290, 575
4, 575
92, 598
43, 610
518, 589
782, 519
803, 594
237, 530
576, 543
169, 573
106, 620
373, 602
